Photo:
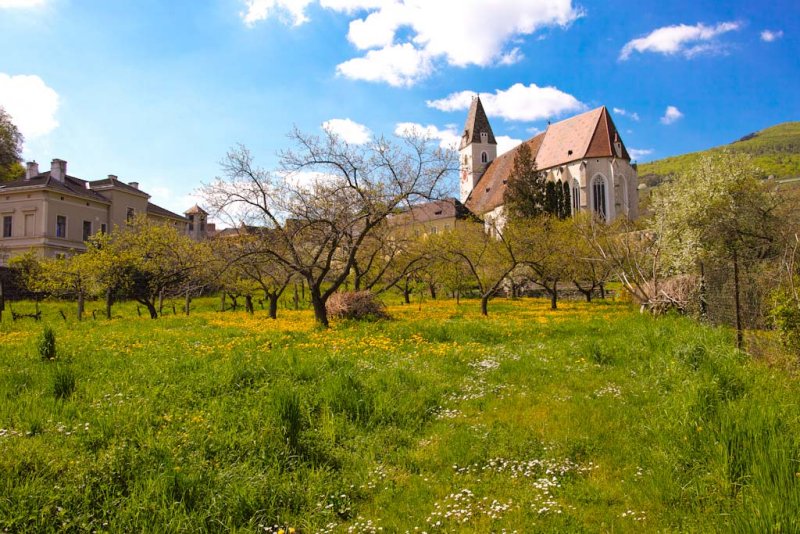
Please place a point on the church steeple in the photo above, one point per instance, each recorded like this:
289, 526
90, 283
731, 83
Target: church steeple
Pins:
478, 147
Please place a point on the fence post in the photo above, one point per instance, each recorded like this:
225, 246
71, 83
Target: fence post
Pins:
739, 336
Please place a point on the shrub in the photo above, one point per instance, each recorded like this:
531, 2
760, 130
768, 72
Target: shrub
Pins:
786, 318
355, 305
47, 344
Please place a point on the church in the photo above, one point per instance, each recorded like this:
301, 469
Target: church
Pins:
584, 151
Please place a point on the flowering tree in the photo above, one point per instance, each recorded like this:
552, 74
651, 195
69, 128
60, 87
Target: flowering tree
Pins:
327, 200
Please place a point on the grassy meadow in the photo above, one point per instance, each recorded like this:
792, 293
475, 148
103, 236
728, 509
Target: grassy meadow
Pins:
592, 418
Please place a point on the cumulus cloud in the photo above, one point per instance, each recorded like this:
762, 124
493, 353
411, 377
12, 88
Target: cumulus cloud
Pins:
680, 39
398, 65
414, 29
671, 115
625, 113
517, 103
448, 137
31, 104
639, 153
348, 130
768, 35
21, 3
506, 143
291, 11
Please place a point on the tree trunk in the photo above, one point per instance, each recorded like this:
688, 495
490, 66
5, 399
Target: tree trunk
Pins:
458, 297
586, 292
296, 298
602, 290
485, 305
161, 302
187, 304
320, 313
80, 305
273, 306
248, 304
554, 297
109, 302
432, 289
151, 307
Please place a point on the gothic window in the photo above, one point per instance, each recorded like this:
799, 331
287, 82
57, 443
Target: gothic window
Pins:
576, 197
484, 157
599, 196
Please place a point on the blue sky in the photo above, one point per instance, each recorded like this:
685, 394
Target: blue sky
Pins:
156, 91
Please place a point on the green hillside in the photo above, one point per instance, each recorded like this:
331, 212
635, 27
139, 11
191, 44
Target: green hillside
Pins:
776, 151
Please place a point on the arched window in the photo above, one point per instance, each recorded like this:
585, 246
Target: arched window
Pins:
576, 197
484, 157
599, 196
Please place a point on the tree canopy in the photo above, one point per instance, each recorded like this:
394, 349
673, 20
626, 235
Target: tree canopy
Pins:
10, 148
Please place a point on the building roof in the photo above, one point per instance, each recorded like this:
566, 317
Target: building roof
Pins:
70, 185
194, 210
477, 122
153, 209
588, 135
113, 181
448, 208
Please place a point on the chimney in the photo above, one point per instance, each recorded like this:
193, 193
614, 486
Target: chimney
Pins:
32, 170
112, 177
58, 169
134, 185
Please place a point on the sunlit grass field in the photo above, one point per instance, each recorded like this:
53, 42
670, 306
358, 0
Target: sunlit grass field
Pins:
591, 418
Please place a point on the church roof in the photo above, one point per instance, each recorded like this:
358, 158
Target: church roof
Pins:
447, 208
477, 122
194, 210
588, 135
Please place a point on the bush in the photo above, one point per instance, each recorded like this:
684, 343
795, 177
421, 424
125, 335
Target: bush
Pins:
47, 344
355, 305
786, 318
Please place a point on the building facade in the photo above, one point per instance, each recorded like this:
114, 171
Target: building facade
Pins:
53, 213
586, 152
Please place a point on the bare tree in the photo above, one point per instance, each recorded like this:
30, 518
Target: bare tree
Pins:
327, 199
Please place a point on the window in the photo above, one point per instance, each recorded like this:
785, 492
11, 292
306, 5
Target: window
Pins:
130, 215
30, 224
61, 226
87, 230
103, 228
576, 197
7, 226
191, 223
484, 157
599, 196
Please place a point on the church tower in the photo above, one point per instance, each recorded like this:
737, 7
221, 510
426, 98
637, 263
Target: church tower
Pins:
478, 147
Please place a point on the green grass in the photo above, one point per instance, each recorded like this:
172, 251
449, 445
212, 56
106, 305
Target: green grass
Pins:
590, 418
775, 150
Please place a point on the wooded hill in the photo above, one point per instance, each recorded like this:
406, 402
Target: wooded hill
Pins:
776, 151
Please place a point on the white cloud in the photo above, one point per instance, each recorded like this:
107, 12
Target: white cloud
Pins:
671, 115
31, 104
348, 130
398, 65
639, 153
258, 10
21, 3
518, 103
448, 137
680, 39
506, 143
625, 113
768, 35
458, 32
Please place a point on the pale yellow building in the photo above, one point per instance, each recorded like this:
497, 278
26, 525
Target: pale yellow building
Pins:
431, 218
53, 213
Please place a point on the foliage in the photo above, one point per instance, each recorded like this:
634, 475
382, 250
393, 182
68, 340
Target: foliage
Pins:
775, 150
524, 196
215, 422
47, 344
10, 148
785, 314
356, 305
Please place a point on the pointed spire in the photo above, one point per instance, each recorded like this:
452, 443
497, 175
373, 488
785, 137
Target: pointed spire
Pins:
477, 122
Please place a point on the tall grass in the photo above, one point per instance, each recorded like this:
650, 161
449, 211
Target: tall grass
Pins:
590, 418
